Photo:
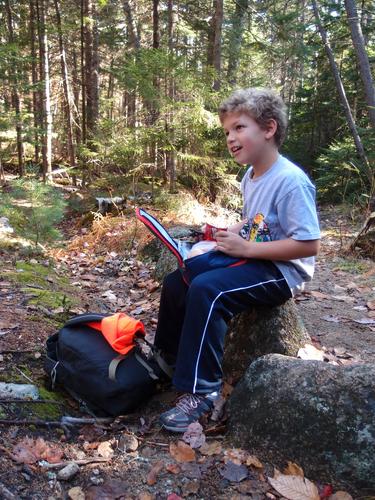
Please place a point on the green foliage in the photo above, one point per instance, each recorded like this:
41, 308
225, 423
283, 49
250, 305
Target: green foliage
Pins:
342, 176
34, 209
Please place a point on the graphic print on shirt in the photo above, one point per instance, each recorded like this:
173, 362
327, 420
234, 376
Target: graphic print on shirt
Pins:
257, 231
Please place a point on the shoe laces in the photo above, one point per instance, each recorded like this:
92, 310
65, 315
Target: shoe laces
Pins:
188, 402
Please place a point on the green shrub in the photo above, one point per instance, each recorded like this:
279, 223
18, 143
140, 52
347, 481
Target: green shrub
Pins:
33, 209
342, 176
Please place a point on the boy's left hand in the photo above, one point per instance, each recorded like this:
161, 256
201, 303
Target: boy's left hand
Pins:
231, 244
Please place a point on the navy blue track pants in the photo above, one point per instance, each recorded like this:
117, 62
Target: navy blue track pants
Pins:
193, 319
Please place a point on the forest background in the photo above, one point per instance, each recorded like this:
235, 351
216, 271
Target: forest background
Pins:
125, 90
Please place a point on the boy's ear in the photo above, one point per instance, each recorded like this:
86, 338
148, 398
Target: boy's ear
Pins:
271, 128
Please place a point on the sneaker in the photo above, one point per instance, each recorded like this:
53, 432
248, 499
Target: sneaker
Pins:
189, 408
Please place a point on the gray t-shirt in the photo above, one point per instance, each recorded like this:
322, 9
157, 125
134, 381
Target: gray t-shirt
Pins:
280, 204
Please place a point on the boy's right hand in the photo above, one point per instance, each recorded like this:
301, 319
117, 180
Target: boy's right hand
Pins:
236, 228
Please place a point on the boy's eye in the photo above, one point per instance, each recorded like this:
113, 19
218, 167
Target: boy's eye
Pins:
238, 127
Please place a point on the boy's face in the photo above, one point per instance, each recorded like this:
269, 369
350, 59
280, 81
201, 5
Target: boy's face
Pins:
246, 140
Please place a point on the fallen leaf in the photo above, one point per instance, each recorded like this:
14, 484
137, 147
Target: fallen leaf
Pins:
360, 308
294, 487
173, 468
155, 470
29, 451
211, 448
325, 491
293, 469
109, 295
105, 449
182, 452
194, 435
235, 455
343, 298
109, 491
310, 352
332, 319
254, 461
191, 470
173, 496
6, 325
318, 295
340, 495
145, 495
364, 321
234, 472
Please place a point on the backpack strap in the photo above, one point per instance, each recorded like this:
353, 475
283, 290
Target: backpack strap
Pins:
85, 318
117, 360
148, 368
113, 366
167, 369
163, 365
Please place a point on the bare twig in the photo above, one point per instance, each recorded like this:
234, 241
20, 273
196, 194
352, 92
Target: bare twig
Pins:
67, 420
42, 423
27, 401
24, 375
152, 443
60, 465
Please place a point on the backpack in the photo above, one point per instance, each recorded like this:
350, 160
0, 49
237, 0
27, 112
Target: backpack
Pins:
80, 357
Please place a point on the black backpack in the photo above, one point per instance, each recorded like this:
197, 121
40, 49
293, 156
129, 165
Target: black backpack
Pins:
105, 382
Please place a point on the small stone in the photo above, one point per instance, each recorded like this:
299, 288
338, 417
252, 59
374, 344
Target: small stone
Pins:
68, 472
76, 493
96, 472
18, 391
105, 449
128, 442
96, 480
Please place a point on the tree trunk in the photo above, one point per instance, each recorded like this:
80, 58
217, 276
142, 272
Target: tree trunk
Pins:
83, 73
66, 86
154, 111
235, 39
170, 153
47, 115
92, 70
16, 102
214, 58
135, 44
339, 86
362, 57
77, 88
34, 79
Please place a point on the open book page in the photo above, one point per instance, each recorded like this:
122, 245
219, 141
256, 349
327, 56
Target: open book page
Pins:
184, 247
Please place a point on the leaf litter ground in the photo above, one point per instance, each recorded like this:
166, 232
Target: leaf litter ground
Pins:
132, 457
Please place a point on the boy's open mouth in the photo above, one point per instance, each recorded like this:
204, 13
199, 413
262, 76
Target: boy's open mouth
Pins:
235, 149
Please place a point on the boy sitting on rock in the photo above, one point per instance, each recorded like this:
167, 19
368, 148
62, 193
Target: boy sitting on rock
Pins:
279, 241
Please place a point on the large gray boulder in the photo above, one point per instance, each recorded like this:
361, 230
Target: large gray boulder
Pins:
319, 415
262, 330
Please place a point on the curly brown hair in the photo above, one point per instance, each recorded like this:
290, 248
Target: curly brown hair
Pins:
262, 104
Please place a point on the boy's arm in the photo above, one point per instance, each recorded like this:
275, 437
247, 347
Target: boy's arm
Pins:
288, 249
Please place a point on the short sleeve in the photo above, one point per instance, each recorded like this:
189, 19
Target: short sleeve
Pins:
297, 213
